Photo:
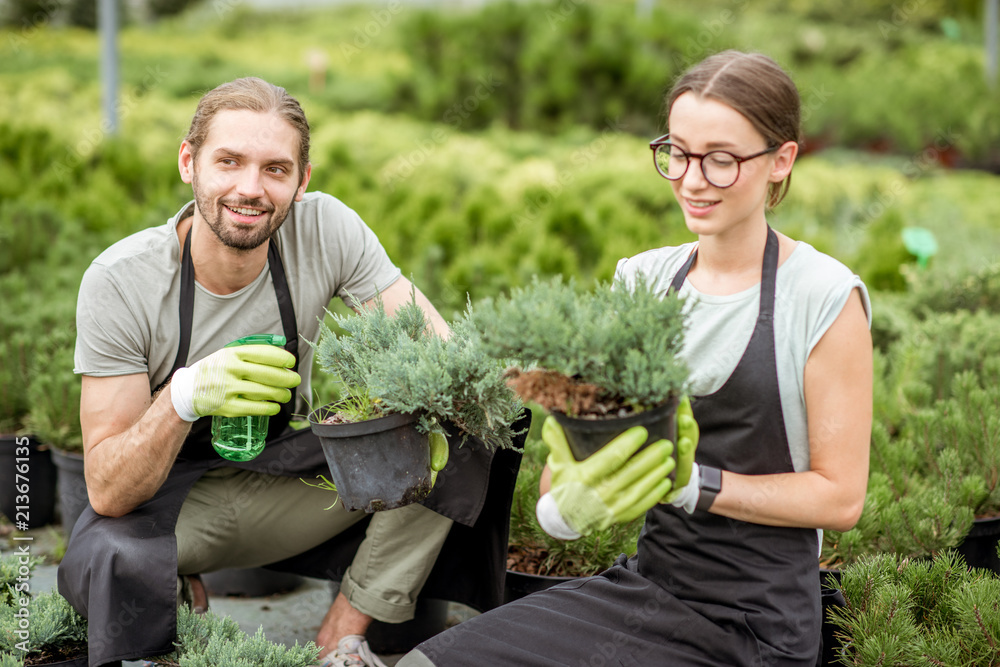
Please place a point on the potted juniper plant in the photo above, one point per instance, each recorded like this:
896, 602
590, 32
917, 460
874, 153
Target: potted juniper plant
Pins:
54, 418
400, 386
599, 361
25, 462
54, 634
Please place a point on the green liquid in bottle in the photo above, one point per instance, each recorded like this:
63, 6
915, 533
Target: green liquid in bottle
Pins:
243, 438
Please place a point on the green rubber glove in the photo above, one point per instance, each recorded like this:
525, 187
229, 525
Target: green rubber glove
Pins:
235, 382
439, 455
614, 485
687, 443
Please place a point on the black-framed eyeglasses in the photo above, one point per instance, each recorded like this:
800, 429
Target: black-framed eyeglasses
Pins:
720, 168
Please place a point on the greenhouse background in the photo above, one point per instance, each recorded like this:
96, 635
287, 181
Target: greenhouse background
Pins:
490, 142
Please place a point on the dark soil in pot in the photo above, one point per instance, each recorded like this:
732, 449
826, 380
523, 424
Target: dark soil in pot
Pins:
599, 417
528, 573
586, 436
379, 464
52, 659
32, 470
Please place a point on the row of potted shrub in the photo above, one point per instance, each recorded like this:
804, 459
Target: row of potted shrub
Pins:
57, 634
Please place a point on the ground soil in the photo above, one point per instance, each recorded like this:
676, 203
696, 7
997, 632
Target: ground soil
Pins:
337, 418
559, 393
49, 657
535, 559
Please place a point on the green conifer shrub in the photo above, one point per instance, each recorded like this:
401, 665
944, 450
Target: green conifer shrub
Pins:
966, 428
55, 629
203, 640
972, 291
397, 364
54, 392
208, 640
615, 345
908, 511
905, 612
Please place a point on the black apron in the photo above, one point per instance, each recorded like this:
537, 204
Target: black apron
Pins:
703, 589
121, 573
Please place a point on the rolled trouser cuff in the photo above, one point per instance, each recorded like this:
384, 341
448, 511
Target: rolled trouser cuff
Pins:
374, 606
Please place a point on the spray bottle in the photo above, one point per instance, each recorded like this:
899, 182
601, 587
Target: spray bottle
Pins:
242, 438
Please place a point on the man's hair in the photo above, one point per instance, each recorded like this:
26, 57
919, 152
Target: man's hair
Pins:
754, 85
250, 94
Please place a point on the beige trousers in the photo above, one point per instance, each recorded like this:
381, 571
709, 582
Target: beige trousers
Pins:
238, 519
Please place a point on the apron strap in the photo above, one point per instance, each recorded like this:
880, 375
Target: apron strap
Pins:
186, 307
285, 306
768, 275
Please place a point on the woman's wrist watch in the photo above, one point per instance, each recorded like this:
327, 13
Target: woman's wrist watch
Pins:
709, 486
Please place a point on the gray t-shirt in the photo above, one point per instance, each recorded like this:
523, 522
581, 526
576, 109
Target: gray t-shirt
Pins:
811, 290
127, 319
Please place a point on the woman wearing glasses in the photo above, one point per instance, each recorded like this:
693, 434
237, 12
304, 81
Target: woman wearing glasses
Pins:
781, 361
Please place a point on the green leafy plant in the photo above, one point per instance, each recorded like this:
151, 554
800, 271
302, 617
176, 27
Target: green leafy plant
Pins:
397, 364
608, 351
905, 612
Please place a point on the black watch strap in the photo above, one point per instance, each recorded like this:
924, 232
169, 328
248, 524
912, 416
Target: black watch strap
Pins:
710, 484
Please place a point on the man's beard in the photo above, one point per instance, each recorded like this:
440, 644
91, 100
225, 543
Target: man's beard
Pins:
244, 239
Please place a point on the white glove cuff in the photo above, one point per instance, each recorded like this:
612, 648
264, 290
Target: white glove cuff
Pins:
687, 497
182, 394
551, 519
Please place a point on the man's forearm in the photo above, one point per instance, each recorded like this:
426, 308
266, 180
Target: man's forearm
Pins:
126, 469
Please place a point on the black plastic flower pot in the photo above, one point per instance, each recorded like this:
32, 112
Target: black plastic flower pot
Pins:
429, 619
586, 436
379, 464
830, 599
27, 482
979, 548
72, 485
79, 661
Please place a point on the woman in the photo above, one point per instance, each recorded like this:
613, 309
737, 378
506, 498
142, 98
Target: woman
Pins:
781, 360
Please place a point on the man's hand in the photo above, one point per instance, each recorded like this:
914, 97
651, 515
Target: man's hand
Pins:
439, 455
614, 485
235, 382
685, 493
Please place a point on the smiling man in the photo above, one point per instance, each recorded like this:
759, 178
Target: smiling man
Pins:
253, 253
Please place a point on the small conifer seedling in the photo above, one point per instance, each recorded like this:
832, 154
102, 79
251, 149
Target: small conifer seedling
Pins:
608, 352
390, 364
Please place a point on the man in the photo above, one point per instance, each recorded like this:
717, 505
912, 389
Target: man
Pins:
253, 253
